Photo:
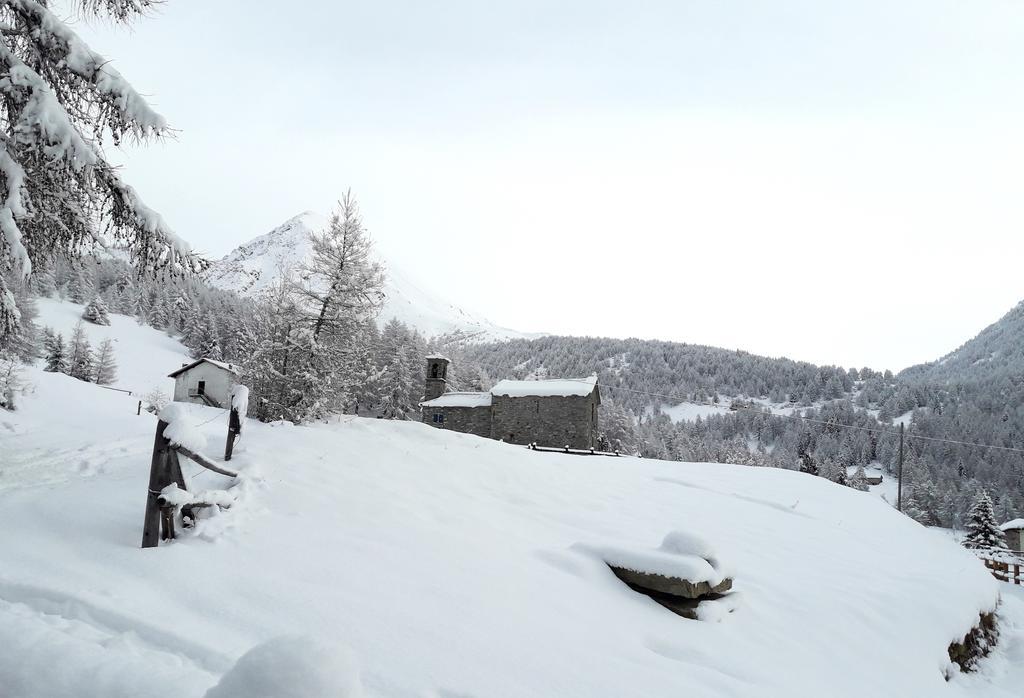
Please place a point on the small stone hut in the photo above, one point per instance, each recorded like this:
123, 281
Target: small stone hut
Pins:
205, 382
1014, 532
561, 412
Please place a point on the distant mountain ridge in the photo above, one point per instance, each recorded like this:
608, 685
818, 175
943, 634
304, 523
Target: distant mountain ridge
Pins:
997, 349
254, 266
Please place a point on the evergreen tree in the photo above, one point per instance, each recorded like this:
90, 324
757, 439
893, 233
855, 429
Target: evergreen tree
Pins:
106, 365
56, 355
157, 316
208, 343
309, 359
10, 380
96, 312
23, 342
858, 480
80, 358
59, 189
983, 532
81, 286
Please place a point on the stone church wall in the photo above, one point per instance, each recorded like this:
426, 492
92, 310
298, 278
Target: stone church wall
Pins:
548, 421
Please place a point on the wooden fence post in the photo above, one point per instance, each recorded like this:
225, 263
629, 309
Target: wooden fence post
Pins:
234, 429
159, 477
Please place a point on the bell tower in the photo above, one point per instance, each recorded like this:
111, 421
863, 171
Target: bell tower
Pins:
437, 376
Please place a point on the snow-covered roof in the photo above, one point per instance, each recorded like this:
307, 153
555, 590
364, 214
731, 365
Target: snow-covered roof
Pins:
219, 364
546, 388
460, 400
442, 357
1012, 525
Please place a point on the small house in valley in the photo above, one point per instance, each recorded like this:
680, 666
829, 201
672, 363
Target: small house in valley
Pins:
1014, 533
559, 413
205, 382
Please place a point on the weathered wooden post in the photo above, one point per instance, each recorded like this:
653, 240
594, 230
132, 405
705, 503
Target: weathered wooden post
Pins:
234, 429
159, 477
239, 407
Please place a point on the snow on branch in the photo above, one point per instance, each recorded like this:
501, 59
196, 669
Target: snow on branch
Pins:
155, 245
13, 206
42, 115
120, 10
54, 38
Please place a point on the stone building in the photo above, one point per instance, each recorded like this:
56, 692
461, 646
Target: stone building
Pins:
1014, 533
557, 413
206, 382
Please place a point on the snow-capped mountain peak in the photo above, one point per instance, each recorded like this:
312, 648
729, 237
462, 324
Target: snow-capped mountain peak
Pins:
254, 266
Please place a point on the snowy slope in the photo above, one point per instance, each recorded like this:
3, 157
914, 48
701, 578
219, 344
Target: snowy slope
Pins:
456, 566
137, 371
254, 266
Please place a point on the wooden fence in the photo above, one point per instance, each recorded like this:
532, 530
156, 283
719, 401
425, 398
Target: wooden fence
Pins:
165, 470
572, 451
1006, 568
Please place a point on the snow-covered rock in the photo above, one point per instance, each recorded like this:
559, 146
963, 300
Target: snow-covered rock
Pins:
255, 265
291, 667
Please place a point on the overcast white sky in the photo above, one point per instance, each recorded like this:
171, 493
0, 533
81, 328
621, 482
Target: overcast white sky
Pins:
835, 182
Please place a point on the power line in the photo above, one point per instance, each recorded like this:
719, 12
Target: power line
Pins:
824, 422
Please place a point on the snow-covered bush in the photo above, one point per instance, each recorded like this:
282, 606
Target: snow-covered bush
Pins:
155, 400
10, 381
291, 667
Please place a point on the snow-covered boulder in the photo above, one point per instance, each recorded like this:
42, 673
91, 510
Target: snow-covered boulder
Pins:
291, 667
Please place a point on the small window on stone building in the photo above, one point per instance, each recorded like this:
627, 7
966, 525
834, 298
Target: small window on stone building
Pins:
439, 418
537, 406
433, 371
201, 390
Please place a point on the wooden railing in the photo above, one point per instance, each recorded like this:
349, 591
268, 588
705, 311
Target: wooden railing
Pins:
165, 470
1005, 567
572, 451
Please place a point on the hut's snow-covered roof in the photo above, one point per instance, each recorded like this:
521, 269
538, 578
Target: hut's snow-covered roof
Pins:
560, 387
563, 387
442, 357
219, 364
460, 400
1012, 525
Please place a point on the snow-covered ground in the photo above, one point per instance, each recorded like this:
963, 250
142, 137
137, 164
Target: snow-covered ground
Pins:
690, 411
453, 567
145, 356
889, 487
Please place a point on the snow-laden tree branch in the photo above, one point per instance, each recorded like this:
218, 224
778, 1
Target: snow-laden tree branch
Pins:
59, 102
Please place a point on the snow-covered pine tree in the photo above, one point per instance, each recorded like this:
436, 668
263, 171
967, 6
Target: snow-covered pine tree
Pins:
396, 385
207, 344
81, 286
157, 316
24, 341
96, 312
61, 102
983, 532
241, 340
56, 355
858, 480
105, 371
336, 292
11, 381
80, 358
